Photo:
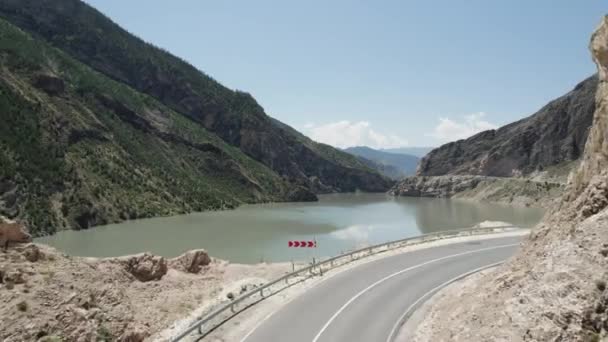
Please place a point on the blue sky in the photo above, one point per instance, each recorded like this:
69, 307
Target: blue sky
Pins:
381, 73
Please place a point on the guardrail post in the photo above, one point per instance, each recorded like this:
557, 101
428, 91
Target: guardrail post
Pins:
232, 308
200, 329
262, 293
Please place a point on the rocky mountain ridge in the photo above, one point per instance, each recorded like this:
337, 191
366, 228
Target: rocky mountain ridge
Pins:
553, 136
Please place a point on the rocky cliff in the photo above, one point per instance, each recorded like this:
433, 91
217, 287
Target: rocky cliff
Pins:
555, 288
555, 135
234, 116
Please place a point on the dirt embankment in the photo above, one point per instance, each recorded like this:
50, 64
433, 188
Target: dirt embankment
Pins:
49, 296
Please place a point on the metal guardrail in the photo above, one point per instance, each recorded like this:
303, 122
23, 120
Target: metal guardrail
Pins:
332, 263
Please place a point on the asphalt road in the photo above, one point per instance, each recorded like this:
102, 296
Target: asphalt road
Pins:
365, 302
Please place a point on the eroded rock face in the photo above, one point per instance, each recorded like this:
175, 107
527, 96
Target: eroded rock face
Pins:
595, 161
192, 261
144, 266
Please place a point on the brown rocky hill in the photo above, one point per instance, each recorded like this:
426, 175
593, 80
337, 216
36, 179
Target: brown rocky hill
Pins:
554, 135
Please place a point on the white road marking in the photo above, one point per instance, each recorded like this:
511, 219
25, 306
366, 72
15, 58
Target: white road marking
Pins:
399, 322
394, 275
257, 326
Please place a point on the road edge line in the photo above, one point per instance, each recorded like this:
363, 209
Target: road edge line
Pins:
352, 299
410, 310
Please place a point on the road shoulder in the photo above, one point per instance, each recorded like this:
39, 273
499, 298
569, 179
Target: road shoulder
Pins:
240, 326
420, 325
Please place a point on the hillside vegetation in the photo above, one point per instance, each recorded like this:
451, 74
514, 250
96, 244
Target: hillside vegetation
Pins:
93, 39
100, 127
78, 149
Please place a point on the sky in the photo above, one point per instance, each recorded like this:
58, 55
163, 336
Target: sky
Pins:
384, 73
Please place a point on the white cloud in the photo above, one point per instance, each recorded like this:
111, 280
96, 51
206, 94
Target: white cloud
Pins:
347, 134
450, 130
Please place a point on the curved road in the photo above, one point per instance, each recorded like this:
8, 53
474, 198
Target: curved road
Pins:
365, 302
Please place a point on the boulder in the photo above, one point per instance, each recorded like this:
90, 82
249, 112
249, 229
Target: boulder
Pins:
32, 253
192, 261
11, 231
144, 266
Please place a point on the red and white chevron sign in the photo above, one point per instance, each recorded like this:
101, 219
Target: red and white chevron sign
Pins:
308, 244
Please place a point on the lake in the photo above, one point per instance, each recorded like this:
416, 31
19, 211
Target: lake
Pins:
254, 233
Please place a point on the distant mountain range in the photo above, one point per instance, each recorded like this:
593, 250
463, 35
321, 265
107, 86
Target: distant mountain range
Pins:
418, 151
392, 165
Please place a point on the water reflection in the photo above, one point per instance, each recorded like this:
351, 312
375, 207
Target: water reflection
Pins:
338, 222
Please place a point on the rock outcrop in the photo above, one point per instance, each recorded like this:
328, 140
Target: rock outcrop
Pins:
552, 137
12, 232
191, 262
555, 287
144, 266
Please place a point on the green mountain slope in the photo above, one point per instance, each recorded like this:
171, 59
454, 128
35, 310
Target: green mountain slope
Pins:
78, 149
90, 37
